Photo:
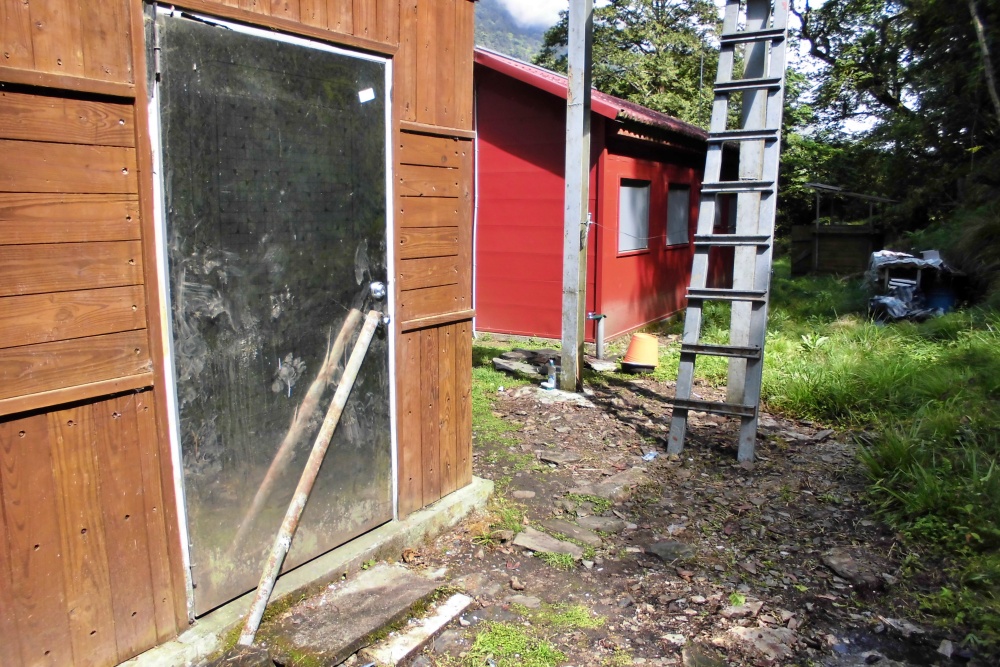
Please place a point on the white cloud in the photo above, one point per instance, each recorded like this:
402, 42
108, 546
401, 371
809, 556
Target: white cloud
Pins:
540, 13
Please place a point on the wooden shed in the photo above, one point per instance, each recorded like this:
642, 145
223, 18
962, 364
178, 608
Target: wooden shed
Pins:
194, 202
645, 179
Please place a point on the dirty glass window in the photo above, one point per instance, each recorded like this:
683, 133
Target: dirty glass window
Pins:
633, 215
678, 214
275, 210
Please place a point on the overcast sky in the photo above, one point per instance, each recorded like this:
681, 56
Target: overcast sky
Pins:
541, 13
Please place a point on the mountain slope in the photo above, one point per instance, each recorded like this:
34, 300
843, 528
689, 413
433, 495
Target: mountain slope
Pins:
497, 30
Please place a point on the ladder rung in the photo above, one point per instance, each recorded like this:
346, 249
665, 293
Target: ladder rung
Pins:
721, 294
729, 240
776, 34
766, 134
728, 187
727, 409
747, 84
722, 351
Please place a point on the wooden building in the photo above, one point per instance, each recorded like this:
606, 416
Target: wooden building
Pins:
184, 197
645, 178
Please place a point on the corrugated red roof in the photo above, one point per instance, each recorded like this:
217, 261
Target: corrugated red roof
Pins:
606, 105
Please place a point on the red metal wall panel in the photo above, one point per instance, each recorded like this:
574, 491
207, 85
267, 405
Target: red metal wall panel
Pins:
521, 153
646, 285
519, 226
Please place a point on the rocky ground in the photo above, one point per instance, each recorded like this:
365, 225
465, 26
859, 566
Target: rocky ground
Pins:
690, 559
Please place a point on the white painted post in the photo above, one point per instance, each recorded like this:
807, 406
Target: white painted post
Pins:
575, 227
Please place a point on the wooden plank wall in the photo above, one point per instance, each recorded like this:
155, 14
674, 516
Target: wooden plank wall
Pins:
81, 44
434, 154
84, 572
90, 558
84, 490
366, 24
843, 249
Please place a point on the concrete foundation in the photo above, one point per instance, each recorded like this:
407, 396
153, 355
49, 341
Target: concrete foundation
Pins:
206, 635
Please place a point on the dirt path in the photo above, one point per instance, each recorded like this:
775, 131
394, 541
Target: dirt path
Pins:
772, 563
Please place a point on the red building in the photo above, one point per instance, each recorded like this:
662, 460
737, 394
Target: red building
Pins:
645, 178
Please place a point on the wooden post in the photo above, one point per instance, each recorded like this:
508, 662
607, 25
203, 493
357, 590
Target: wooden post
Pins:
575, 225
816, 237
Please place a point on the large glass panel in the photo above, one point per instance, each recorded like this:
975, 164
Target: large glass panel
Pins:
275, 189
678, 214
633, 215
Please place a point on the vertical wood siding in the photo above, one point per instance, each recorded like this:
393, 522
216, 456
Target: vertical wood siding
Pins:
73, 39
371, 21
435, 423
84, 576
434, 180
434, 63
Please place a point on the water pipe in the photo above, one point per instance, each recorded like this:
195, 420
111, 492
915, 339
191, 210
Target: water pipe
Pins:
599, 333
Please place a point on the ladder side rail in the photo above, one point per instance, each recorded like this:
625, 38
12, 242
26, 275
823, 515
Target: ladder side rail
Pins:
755, 213
753, 116
713, 168
762, 276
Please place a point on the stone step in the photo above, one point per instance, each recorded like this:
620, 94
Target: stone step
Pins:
332, 626
396, 649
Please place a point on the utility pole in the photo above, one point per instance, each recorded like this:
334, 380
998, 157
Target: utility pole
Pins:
575, 225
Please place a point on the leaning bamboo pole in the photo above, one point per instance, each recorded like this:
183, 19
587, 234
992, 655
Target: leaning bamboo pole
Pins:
283, 540
300, 422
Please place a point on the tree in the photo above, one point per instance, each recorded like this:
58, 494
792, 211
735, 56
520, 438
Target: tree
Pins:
921, 71
657, 53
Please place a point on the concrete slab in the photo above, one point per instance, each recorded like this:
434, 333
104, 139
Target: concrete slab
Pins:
557, 456
396, 649
536, 540
205, 637
618, 487
562, 527
331, 627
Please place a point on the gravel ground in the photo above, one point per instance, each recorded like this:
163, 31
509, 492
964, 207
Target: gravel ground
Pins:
692, 559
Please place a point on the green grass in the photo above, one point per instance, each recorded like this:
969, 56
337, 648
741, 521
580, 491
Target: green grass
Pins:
509, 645
558, 561
502, 514
601, 505
486, 382
620, 658
926, 398
565, 617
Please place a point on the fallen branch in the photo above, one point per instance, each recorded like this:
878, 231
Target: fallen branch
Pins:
300, 422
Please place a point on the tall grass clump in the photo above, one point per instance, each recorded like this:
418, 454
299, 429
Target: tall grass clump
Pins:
926, 398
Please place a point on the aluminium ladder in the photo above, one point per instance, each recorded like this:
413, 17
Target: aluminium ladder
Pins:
763, 37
